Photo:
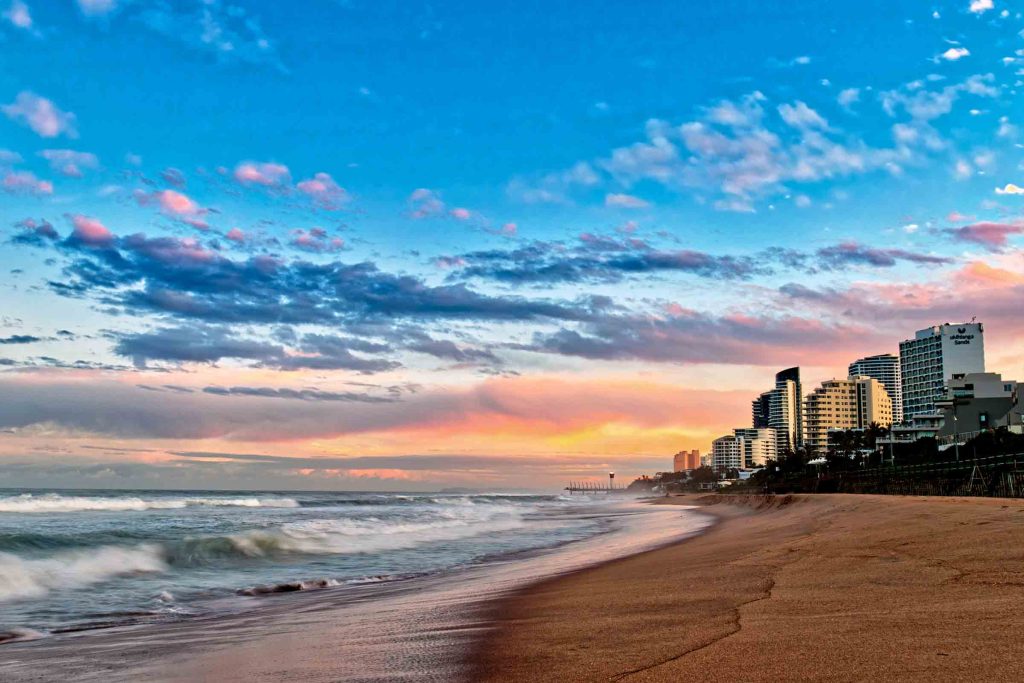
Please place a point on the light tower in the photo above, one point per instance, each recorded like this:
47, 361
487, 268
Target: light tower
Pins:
611, 480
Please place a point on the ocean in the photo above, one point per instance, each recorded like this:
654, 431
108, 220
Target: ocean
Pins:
142, 578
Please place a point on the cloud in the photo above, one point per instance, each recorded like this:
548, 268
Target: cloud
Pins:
202, 344
89, 232
41, 115
236, 235
176, 205
848, 96
534, 409
25, 182
68, 162
298, 394
624, 201
739, 152
97, 8
173, 177
686, 336
852, 253
37, 233
992, 236
553, 188
263, 173
980, 6
20, 339
955, 53
461, 214
1010, 188
424, 203
181, 278
799, 115
596, 259
316, 240
18, 15
226, 31
324, 192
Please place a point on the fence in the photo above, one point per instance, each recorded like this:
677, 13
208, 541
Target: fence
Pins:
999, 476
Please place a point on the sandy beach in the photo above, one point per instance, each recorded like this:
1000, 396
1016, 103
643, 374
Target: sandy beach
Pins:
838, 588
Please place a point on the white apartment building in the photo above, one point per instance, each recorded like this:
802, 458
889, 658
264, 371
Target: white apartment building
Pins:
726, 452
757, 446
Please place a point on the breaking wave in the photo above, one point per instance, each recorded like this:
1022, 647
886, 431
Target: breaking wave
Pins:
54, 502
31, 578
348, 536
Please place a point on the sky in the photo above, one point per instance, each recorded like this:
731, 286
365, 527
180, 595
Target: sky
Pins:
354, 245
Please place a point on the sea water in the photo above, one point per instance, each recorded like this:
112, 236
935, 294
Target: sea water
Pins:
79, 560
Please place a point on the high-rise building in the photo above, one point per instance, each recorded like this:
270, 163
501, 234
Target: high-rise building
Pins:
686, 460
785, 410
726, 453
852, 403
757, 446
761, 410
886, 369
932, 357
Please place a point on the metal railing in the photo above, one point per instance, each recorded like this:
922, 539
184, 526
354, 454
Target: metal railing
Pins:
998, 476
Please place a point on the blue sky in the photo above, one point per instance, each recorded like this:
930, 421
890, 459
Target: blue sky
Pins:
490, 198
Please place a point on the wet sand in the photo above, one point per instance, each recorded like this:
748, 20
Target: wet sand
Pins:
810, 588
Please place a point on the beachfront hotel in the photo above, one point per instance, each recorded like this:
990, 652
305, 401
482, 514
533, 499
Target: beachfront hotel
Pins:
932, 357
885, 368
852, 403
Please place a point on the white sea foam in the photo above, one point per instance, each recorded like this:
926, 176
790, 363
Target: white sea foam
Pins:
32, 578
54, 502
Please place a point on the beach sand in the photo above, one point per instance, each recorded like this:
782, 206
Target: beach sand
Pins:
835, 587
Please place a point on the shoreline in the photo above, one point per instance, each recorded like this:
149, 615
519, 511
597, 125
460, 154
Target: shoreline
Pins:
804, 587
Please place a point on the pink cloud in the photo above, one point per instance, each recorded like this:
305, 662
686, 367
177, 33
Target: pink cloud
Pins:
509, 229
957, 217
267, 174
316, 240
176, 205
90, 232
461, 214
41, 115
424, 203
992, 236
326, 193
236, 235
25, 182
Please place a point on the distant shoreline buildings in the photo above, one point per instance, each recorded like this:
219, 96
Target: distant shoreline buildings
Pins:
936, 387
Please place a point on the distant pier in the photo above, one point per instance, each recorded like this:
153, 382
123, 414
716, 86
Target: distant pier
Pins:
591, 487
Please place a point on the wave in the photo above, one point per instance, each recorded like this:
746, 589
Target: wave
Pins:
32, 578
54, 502
348, 536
